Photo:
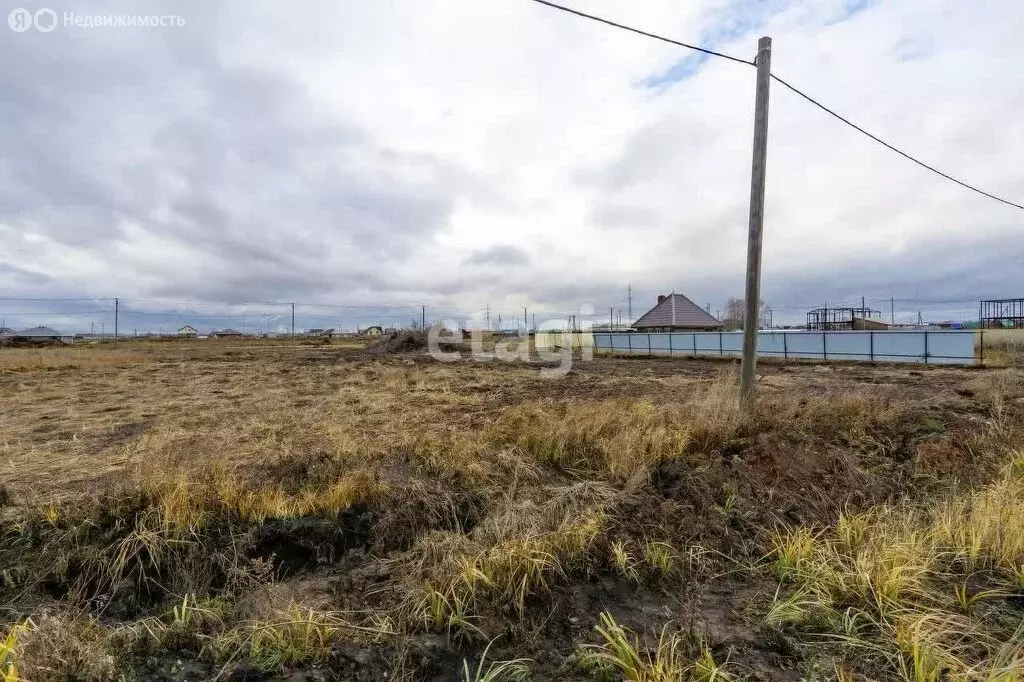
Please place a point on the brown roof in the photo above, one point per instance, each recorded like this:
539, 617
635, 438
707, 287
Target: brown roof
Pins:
675, 310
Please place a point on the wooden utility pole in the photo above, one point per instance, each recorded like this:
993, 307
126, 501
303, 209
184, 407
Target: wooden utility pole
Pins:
293, 320
754, 238
117, 306
423, 318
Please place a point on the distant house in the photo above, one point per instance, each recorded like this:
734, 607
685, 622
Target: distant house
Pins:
188, 332
41, 334
675, 312
373, 331
226, 334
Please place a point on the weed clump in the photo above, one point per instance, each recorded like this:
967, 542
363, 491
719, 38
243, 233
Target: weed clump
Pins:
674, 657
923, 592
621, 439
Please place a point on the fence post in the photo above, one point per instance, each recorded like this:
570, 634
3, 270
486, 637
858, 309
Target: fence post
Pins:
926, 346
670, 335
872, 351
650, 351
785, 346
824, 345
629, 340
694, 337
720, 351
981, 335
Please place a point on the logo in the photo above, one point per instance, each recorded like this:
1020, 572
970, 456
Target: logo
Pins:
46, 20
21, 20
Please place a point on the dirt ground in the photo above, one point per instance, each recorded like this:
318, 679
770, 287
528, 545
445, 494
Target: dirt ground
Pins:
454, 465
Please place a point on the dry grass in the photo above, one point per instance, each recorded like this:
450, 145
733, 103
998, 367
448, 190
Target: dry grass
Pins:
27, 359
450, 578
65, 646
625, 437
674, 657
272, 506
1004, 347
925, 592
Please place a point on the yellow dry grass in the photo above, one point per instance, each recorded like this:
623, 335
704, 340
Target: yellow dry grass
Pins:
672, 658
626, 437
920, 590
486, 490
26, 359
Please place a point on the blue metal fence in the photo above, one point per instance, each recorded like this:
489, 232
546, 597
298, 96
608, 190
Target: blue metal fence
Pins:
949, 347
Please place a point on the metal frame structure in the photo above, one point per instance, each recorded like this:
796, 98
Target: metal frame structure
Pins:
836, 319
1001, 313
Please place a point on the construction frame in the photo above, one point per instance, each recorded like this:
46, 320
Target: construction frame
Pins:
1001, 313
827, 319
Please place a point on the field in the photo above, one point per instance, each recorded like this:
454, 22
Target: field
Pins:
253, 511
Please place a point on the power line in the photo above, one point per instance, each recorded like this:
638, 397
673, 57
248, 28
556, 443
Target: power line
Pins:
253, 316
58, 313
22, 298
284, 304
889, 146
643, 33
787, 85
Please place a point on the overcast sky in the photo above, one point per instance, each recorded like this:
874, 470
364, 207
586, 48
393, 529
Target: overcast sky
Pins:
457, 153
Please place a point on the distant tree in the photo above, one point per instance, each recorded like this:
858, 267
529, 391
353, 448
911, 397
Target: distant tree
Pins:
735, 309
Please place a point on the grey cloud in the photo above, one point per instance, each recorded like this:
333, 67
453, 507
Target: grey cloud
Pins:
650, 151
611, 214
234, 163
14, 276
501, 254
948, 276
264, 194
642, 157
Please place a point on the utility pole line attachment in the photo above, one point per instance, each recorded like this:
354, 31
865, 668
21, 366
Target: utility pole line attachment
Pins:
754, 239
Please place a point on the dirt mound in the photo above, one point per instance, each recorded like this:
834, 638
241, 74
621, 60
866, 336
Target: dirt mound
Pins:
406, 342
399, 342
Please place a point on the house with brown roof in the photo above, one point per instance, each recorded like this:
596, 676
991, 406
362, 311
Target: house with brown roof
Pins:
675, 312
